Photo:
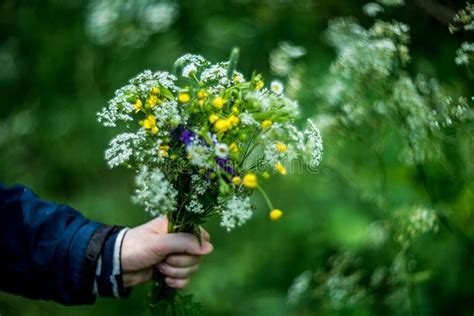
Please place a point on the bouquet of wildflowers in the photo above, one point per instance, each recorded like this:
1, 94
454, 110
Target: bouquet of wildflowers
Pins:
202, 141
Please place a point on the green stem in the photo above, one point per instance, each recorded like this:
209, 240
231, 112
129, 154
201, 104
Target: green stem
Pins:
265, 196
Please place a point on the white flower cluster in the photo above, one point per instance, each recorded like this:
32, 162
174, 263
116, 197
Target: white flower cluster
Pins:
120, 149
121, 107
413, 222
128, 23
340, 286
298, 287
306, 145
368, 83
154, 192
464, 21
464, 54
282, 58
235, 211
314, 145
372, 9
199, 154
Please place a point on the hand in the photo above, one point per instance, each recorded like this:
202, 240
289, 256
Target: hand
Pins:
176, 255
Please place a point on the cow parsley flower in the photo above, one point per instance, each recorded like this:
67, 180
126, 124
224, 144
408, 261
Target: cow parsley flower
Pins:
236, 211
372, 9
120, 149
314, 144
154, 192
198, 154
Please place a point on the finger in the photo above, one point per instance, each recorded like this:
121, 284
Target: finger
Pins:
137, 277
158, 225
177, 283
182, 260
205, 235
177, 273
181, 243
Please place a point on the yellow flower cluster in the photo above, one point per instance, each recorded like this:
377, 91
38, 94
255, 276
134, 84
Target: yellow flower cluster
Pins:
150, 124
222, 125
250, 181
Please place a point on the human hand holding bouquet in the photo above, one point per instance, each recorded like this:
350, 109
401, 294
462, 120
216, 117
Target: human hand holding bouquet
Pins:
202, 142
176, 255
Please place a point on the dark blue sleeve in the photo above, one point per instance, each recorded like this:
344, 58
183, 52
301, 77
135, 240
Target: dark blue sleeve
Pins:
43, 249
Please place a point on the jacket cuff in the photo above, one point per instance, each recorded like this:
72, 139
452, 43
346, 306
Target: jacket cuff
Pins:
108, 277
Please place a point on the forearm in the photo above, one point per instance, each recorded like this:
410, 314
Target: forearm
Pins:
50, 251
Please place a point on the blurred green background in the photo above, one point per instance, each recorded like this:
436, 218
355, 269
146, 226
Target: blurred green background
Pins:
60, 61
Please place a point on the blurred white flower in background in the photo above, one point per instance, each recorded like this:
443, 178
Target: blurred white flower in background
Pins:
282, 57
128, 23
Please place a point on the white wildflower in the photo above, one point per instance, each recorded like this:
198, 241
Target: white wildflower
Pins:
120, 149
276, 87
154, 192
196, 60
189, 70
282, 57
199, 185
299, 286
372, 9
216, 73
238, 77
247, 119
199, 154
194, 205
236, 211
314, 144
222, 150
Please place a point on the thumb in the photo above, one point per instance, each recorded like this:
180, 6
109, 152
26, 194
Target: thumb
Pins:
181, 243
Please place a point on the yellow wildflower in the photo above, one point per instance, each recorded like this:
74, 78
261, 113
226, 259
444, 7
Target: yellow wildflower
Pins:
280, 168
234, 148
250, 180
281, 148
218, 102
155, 90
184, 97
150, 123
138, 105
213, 118
235, 110
163, 153
234, 120
202, 94
259, 85
236, 180
222, 125
276, 214
152, 101
266, 124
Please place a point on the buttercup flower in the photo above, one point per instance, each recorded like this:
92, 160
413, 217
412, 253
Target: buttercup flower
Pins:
276, 214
